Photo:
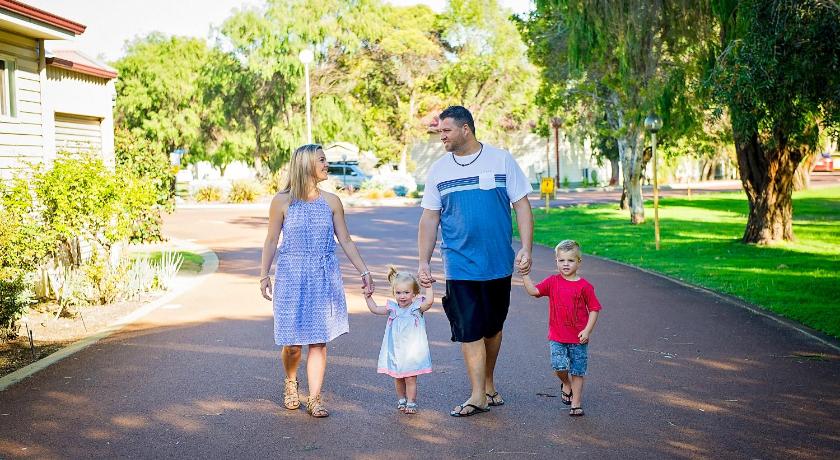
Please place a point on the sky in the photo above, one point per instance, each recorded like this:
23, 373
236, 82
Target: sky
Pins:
111, 22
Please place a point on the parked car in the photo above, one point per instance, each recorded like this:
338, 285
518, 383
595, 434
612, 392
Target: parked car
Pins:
347, 174
823, 163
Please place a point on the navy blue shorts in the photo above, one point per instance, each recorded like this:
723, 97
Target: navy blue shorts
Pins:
476, 309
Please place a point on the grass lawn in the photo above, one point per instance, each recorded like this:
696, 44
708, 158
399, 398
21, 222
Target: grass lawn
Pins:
700, 244
192, 261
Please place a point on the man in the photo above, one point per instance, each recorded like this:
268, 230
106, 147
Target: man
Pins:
468, 194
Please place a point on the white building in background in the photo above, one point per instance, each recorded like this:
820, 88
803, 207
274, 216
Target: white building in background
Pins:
49, 102
536, 156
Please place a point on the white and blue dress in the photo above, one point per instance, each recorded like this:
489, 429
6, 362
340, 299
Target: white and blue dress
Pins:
405, 347
309, 303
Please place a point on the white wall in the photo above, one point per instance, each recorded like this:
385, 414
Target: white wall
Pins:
78, 94
21, 136
529, 150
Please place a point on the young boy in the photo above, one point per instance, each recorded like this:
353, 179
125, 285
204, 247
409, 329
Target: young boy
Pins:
573, 311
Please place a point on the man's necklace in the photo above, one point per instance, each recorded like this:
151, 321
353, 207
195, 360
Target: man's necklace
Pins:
471, 161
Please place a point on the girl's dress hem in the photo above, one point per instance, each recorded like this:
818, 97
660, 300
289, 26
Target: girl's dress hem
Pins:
401, 375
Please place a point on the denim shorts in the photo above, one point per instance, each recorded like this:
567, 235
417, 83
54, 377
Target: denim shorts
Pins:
570, 357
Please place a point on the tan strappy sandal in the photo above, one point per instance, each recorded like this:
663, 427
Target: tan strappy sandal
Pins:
316, 408
290, 395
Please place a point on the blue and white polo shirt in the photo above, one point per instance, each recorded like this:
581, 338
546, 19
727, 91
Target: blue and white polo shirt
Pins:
475, 212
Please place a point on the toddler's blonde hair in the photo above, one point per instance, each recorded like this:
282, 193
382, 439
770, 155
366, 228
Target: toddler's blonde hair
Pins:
396, 277
568, 246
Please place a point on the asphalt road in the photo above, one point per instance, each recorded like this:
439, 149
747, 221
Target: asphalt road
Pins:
674, 373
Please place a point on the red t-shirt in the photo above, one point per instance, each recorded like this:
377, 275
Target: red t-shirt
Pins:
569, 304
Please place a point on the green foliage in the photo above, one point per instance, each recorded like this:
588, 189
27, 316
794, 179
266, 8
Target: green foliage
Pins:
24, 241
157, 91
15, 298
487, 69
143, 158
244, 191
779, 69
82, 198
208, 193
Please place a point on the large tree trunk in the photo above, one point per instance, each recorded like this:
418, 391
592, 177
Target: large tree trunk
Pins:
630, 146
632, 165
767, 177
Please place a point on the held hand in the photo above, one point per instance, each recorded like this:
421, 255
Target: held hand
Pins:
424, 275
583, 336
265, 288
523, 261
367, 285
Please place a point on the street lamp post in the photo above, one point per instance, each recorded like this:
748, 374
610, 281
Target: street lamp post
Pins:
556, 123
306, 56
653, 124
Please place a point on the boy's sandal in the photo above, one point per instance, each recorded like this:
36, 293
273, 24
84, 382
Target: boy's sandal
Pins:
401, 403
316, 408
566, 398
410, 408
494, 399
290, 395
576, 412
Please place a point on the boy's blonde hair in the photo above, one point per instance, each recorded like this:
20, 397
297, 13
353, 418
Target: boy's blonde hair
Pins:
302, 172
395, 277
568, 246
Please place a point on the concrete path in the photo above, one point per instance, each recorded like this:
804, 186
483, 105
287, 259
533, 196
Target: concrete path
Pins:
674, 373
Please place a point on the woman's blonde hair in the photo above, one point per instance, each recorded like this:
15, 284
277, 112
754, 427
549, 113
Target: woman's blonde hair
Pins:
396, 277
301, 179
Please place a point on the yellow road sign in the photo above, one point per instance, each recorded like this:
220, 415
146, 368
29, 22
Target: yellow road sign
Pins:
547, 185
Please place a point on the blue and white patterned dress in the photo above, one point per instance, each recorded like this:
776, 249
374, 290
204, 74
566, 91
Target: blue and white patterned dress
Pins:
309, 304
405, 347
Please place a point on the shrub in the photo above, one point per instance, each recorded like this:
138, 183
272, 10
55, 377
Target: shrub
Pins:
15, 298
141, 160
139, 278
208, 193
141, 157
388, 194
167, 269
81, 198
244, 191
24, 240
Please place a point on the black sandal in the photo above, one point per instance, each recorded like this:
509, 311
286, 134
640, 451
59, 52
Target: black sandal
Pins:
494, 399
576, 412
563, 399
459, 410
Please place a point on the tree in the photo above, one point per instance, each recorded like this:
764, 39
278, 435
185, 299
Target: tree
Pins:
487, 69
629, 58
157, 92
395, 71
776, 67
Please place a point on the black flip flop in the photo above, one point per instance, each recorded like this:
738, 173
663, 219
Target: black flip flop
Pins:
576, 412
476, 410
492, 399
565, 395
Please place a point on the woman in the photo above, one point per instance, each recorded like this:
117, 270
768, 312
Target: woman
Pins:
309, 304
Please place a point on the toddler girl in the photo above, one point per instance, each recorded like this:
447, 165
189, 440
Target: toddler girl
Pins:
405, 349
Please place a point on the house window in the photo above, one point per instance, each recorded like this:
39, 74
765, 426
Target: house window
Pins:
8, 101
